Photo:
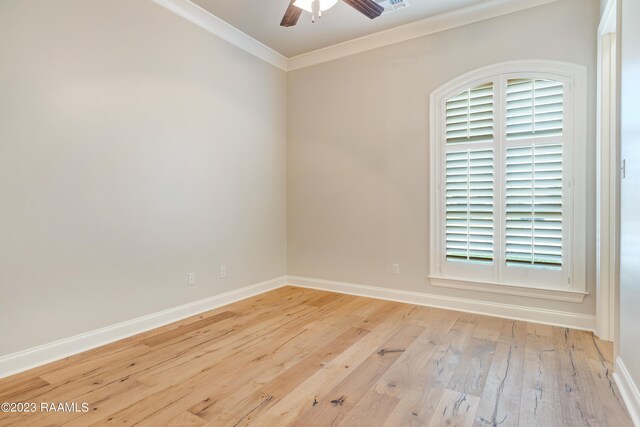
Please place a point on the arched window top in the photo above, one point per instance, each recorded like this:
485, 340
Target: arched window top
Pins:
564, 72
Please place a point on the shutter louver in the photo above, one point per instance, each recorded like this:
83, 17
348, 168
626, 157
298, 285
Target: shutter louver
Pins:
534, 206
469, 205
469, 116
534, 108
503, 171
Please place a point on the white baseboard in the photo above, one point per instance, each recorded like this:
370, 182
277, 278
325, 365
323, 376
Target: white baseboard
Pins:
628, 390
33, 357
529, 314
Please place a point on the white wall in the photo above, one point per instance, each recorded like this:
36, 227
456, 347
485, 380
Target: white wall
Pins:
135, 147
358, 147
630, 193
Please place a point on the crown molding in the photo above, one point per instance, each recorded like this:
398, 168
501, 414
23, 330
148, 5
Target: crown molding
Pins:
433, 24
208, 21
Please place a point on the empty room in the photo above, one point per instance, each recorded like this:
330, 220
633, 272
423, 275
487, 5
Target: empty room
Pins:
320, 213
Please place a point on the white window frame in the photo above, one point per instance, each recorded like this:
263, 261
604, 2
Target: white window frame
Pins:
570, 281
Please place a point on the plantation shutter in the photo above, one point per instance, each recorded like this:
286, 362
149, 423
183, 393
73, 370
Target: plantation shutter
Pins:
470, 116
469, 211
534, 205
534, 173
469, 175
507, 179
534, 108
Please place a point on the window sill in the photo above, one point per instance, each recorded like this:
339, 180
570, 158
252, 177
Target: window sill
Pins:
568, 295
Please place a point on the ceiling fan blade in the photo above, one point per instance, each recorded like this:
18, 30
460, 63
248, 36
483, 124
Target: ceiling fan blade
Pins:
291, 16
369, 8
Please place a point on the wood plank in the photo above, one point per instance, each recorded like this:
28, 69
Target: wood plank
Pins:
102, 402
404, 376
183, 330
455, 409
289, 409
265, 359
612, 405
209, 384
538, 329
372, 410
252, 402
332, 407
574, 380
430, 384
500, 400
11, 389
489, 328
539, 403
187, 419
472, 370
282, 358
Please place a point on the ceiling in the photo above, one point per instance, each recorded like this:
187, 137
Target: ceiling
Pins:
261, 20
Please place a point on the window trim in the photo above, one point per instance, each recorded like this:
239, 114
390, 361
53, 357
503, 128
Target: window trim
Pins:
575, 78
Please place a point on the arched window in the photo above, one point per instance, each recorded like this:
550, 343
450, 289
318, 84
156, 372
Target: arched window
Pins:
507, 183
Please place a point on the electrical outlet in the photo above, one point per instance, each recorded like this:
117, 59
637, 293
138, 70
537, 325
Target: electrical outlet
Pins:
192, 279
395, 269
223, 272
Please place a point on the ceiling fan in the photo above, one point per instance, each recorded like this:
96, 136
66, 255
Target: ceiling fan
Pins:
368, 8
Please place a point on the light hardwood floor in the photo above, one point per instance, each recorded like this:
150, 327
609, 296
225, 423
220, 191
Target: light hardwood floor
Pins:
303, 357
